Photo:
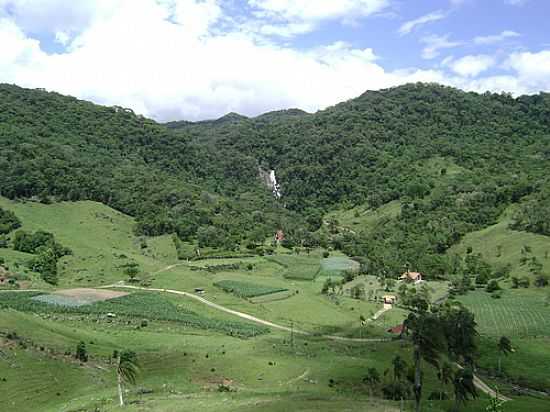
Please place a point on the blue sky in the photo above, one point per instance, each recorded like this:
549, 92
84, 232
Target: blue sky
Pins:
197, 59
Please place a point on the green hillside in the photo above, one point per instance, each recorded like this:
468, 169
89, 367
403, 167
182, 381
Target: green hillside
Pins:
118, 233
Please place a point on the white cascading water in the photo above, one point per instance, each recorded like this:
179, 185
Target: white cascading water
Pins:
274, 185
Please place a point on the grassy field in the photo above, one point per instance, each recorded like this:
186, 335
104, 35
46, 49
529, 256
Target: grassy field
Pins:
517, 313
298, 267
102, 240
335, 266
500, 245
187, 349
362, 217
247, 289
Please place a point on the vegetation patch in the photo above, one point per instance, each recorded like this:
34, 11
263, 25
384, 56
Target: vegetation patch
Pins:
336, 266
78, 297
246, 289
298, 267
140, 305
515, 313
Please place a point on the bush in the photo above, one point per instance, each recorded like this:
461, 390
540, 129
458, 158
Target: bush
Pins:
326, 254
492, 286
81, 352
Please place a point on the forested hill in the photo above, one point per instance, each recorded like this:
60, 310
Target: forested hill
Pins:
453, 160
54, 147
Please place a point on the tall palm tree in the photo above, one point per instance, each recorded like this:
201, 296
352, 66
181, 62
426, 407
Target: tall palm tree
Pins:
428, 340
127, 370
372, 379
464, 387
445, 376
504, 348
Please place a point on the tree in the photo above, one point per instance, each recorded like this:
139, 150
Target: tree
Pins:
400, 368
464, 387
541, 280
445, 376
372, 379
127, 370
428, 341
492, 286
81, 352
504, 346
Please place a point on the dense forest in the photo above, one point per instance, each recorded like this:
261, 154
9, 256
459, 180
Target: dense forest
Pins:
201, 180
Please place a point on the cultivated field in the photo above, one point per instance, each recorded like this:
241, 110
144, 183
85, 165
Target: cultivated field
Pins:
247, 289
517, 313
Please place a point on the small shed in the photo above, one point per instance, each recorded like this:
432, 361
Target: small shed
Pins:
413, 277
389, 299
397, 330
279, 236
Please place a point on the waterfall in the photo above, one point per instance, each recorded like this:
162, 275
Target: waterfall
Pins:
274, 185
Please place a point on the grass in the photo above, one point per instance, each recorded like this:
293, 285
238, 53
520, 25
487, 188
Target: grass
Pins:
298, 267
518, 313
526, 366
186, 350
101, 238
510, 242
337, 265
141, 305
362, 217
247, 289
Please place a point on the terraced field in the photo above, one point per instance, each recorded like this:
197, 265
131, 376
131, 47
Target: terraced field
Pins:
520, 313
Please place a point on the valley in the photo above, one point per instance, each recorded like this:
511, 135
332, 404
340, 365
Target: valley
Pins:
390, 234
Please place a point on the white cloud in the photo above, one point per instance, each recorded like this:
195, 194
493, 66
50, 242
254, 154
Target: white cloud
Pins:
170, 61
410, 25
472, 66
316, 10
435, 43
496, 38
533, 69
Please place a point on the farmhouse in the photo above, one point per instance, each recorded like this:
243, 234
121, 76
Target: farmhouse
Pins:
279, 236
412, 277
397, 330
389, 299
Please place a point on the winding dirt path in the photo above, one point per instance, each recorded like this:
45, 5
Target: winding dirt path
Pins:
242, 314
482, 386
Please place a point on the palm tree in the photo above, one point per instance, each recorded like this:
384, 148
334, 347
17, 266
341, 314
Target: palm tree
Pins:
464, 386
428, 341
445, 375
372, 379
504, 348
399, 368
127, 369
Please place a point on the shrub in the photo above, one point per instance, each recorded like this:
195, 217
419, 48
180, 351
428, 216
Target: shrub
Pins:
492, 286
81, 352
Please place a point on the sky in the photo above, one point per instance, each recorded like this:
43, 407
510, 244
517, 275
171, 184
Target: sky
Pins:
200, 59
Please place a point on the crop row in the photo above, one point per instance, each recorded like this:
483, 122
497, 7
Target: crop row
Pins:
513, 314
246, 289
137, 305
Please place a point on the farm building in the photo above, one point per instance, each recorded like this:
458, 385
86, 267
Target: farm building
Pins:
397, 330
389, 299
413, 277
279, 236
